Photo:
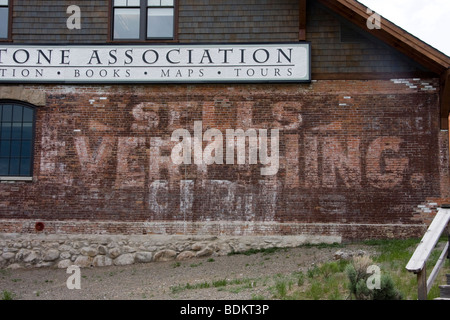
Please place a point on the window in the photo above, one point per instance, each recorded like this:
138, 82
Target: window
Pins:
143, 19
4, 19
16, 139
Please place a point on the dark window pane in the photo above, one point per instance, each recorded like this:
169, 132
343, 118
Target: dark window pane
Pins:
4, 16
25, 167
14, 167
7, 113
17, 113
4, 166
5, 148
27, 114
26, 149
126, 23
16, 131
6, 131
27, 131
160, 23
16, 147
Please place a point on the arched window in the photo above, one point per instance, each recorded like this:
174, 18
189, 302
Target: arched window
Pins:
16, 139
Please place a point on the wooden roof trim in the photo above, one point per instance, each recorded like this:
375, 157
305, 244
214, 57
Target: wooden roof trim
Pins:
393, 35
445, 98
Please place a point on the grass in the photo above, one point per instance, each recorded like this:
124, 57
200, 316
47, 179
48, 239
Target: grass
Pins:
234, 285
329, 281
188, 286
255, 251
266, 251
6, 295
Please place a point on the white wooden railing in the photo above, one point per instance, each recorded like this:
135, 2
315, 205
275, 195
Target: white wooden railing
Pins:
417, 263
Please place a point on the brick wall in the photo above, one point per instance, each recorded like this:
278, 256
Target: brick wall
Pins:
356, 158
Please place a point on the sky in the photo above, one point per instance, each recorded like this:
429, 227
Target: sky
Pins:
428, 20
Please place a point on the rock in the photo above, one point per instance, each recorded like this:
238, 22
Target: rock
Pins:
102, 261
185, 255
345, 255
88, 251
128, 249
102, 249
8, 255
84, 262
14, 266
64, 247
143, 257
197, 247
338, 255
31, 258
205, 252
361, 253
22, 254
17, 245
51, 255
76, 245
222, 249
124, 259
64, 264
44, 264
114, 252
165, 255
65, 255
52, 245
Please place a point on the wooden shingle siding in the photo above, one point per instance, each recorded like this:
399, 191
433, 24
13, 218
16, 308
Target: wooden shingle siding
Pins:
45, 22
332, 56
238, 21
224, 21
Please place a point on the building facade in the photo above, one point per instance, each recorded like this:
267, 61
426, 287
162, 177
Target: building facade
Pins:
295, 119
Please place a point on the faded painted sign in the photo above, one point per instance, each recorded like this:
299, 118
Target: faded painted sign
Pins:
173, 158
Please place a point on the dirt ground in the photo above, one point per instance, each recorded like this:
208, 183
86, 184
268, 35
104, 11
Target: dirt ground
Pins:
247, 277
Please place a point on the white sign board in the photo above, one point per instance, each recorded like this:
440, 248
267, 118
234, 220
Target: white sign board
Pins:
286, 62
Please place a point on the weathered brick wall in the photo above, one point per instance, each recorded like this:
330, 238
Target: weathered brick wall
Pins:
356, 158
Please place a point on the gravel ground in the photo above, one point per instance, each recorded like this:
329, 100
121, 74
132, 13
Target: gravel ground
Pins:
248, 277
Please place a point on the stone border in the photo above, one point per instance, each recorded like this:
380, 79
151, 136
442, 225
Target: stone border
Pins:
62, 251
34, 96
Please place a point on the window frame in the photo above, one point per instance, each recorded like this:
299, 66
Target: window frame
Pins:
143, 23
10, 18
28, 177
